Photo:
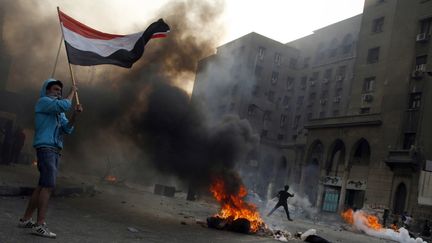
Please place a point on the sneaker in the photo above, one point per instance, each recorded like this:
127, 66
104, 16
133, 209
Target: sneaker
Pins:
42, 230
26, 223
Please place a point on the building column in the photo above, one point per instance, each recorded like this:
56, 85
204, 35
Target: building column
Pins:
343, 189
320, 192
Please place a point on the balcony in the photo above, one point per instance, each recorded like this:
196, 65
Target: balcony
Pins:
402, 159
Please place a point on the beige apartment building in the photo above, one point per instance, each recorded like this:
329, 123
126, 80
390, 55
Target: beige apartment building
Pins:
342, 113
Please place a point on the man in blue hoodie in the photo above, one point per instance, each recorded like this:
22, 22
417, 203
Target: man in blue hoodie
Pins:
51, 123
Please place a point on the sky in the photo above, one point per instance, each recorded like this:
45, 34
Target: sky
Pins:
281, 20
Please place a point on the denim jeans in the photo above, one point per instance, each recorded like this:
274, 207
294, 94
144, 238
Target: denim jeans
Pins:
48, 161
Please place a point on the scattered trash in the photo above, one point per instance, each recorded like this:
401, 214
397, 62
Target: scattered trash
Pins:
132, 229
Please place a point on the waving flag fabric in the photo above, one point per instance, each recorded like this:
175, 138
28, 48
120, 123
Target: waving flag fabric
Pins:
86, 46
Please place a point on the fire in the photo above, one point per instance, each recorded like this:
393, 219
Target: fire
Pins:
110, 178
394, 227
34, 163
234, 206
368, 220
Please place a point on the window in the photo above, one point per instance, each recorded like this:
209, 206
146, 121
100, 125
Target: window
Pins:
324, 94
312, 95
286, 100
296, 121
309, 116
306, 62
234, 90
289, 83
283, 120
421, 60
261, 53
328, 74
364, 110
292, 63
341, 72
255, 90
271, 95
258, 71
409, 140
369, 84
315, 76
251, 110
415, 100
425, 26
373, 55
274, 78
303, 82
280, 136
232, 106
277, 59
322, 114
264, 133
300, 100
377, 25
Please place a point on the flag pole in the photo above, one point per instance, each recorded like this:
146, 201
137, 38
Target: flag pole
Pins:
56, 60
70, 67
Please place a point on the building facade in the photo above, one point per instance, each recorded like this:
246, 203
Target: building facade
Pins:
342, 113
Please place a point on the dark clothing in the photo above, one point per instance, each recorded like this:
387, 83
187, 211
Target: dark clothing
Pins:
283, 196
285, 206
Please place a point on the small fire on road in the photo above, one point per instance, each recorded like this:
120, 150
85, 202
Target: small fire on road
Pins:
234, 206
111, 178
370, 225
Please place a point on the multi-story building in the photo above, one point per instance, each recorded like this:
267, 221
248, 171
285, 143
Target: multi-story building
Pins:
342, 113
376, 155
253, 77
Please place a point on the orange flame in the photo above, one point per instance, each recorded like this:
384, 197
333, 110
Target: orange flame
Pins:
234, 206
370, 221
394, 227
110, 178
34, 163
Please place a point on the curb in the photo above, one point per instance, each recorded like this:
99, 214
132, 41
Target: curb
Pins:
12, 191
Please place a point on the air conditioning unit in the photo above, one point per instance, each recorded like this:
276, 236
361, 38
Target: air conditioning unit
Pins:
422, 37
420, 67
339, 78
367, 97
417, 74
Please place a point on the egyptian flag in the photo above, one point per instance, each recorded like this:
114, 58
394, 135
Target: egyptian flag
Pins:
86, 46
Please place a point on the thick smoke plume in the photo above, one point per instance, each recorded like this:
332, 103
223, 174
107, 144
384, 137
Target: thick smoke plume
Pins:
132, 115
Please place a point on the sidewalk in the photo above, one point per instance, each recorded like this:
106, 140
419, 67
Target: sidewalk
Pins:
20, 180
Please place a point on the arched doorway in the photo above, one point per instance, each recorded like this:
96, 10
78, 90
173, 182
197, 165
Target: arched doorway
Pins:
311, 171
400, 199
359, 171
334, 168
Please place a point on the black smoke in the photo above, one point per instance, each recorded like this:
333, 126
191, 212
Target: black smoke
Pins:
137, 114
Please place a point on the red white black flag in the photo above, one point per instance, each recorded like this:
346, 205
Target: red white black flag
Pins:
86, 46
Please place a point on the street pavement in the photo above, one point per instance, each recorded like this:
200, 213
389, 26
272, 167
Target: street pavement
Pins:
124, 213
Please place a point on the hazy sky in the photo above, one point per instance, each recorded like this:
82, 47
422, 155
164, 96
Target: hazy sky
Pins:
282, 20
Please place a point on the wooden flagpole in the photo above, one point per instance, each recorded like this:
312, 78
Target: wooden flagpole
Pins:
56, 60
70, 67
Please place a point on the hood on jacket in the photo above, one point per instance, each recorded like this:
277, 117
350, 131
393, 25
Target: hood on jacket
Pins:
45, 84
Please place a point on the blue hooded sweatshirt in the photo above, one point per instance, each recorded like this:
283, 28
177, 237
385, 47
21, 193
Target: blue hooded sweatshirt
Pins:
50, 120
